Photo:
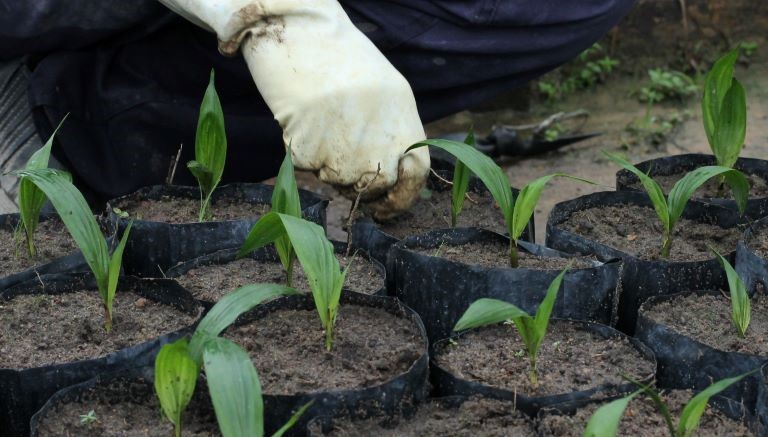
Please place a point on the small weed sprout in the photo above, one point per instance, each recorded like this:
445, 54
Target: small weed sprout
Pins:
210, 148
484, 312
517, 213
88, 418
233, 382
670, 208
82, 226
741, 309
605, 421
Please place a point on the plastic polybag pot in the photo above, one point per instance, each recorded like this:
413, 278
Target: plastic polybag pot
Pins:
154, 247
267, 254
367, 235
689, 364
641, 279
23, 392
757, 207
447, 384
750, 265
74, 262
407, 388
440, 290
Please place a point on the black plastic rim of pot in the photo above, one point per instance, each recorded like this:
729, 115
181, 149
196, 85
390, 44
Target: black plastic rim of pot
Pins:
74, 262
757, 207
154, 247
23, 392
761, 410
401, 391
325, 423
367, 235
440, 290
641, 279
269, 254
446, 384
686, 363
751, 267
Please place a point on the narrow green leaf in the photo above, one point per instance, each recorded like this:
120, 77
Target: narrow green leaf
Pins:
683, 189
285, 200
268, 229
461, 175
485, 312
203, 175
716, 85
691, 415
235, 389
653, 189
605, 420
292, 421
741, 308
175, 379
115, 264
544, 311
731, 126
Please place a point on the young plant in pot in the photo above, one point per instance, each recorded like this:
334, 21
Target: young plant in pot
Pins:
662, 240
536, 368
61, 315
178, 223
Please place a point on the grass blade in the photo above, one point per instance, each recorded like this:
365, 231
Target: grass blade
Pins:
235, 389
461, 175
683, 189
691, 415
731, 126
485, 311
741, 308
605, 421
292, 421
175, 379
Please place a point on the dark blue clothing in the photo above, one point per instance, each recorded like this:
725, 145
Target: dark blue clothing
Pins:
132, 74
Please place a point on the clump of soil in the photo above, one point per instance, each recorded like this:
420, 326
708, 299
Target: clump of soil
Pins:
475, 417
124, 409
707, 319
287, 347
212, 282
177, 210
434, 212
758, 186
641, 418
759, 242
40, 329
497, 255
636, 230
51, 240
570, 359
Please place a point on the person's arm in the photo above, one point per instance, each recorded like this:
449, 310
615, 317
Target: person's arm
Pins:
345, 110
37, 26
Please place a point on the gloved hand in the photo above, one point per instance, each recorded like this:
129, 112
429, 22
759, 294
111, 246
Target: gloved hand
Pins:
344, 109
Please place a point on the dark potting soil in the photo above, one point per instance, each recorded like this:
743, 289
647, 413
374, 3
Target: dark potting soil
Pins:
40, 330
641, 418
212, 282
287, 347
497, 255
707, 319
476, 417
177, 210
123, 409
434, 212
758, 187
570, 359
759, 242
637, 231
51, 240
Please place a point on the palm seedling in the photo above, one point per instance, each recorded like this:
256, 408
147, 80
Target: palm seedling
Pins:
741, 309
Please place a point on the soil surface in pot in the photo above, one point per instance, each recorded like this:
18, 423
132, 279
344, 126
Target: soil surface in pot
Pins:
51, 240
570, 359
123, 409
758, 186
759, 242
636, 230
641, 418
495, 255
212, 282
474, 418
371, 347
707, 319
178, 210
434, 212
41, 330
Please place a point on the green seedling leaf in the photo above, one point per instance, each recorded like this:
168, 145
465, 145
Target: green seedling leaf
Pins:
31, 199
731, 126
210, 147
234, 388
653, 189
292, 421
461, 176
532, 330
114, 273
175, 379
229, 308
285, 200
741, 308
605, 421
691, 415
717, 84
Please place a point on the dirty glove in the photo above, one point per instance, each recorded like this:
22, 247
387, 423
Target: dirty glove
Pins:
344, 109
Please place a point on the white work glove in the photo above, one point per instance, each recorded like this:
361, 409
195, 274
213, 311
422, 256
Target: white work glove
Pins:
344, 109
